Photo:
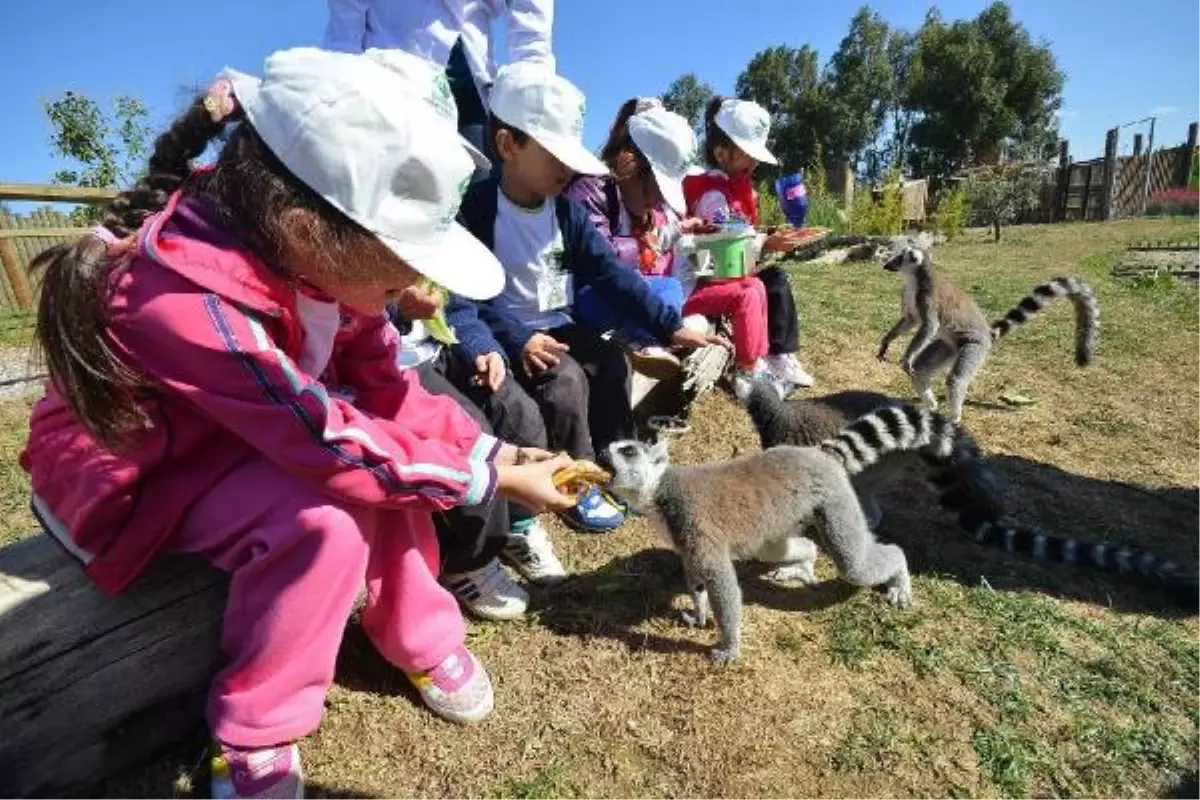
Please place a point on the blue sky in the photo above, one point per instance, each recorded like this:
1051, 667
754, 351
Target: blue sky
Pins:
1123, 61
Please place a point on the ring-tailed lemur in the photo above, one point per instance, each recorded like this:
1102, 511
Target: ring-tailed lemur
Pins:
968, 486
954, 334
716, 513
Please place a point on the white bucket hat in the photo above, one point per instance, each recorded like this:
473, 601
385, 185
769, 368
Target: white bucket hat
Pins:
548, 107
427, 81
669, 144
747, 124
341, 124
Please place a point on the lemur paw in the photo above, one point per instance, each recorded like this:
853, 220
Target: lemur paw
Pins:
793, 572
723, 655
900, 596
694, 619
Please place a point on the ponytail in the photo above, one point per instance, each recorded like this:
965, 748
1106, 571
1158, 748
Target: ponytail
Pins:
714, 137
101, 389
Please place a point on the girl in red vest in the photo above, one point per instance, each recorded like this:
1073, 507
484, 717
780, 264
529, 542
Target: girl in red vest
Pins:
735, 136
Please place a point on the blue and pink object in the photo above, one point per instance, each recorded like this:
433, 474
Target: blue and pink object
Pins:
793, 198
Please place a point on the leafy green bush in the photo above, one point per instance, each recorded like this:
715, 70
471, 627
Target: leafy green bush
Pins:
882, 218
823, 212
769, 212
950, 215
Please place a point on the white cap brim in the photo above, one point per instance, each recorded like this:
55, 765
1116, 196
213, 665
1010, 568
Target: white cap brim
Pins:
573, 154
671, 189
755, 150
456, 261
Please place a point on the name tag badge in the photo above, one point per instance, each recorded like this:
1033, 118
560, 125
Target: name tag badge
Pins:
556, 286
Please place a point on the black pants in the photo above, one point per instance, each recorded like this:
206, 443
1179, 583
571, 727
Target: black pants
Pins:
783, 329
468, 536
584, 399
509, 413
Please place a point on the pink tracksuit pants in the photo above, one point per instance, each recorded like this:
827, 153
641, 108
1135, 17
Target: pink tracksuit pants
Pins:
745, 301
297, 561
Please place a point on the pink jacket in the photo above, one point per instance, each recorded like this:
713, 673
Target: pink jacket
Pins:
218, 334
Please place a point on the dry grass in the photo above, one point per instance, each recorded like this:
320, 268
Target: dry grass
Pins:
1010, 678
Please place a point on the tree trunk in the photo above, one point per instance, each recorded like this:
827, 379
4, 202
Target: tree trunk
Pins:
92, 685
996, 228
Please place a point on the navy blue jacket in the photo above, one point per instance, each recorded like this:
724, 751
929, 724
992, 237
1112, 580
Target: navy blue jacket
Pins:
587, 254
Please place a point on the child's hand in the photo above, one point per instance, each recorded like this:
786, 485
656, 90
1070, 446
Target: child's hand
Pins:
532, 486
686, 337
417, 302
696, 225
489, 371
541, 353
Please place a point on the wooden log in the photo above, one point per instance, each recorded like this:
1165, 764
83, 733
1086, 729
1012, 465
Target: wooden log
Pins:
92, 685
55, 194
17, 278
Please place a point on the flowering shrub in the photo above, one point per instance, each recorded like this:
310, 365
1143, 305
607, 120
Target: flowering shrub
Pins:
1180, 201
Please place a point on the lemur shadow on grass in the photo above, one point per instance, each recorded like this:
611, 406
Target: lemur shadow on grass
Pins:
613, 600
1043, 496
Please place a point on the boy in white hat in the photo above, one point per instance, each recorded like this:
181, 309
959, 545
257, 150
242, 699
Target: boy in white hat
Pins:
550, 250
735, 142
639, 209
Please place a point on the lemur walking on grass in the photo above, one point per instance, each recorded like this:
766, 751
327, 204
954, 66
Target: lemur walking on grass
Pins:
716, 513
952, 333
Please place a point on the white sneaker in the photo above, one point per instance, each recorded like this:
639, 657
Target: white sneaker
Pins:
530, 552
787, 368
488, 592
744, 380
696, 322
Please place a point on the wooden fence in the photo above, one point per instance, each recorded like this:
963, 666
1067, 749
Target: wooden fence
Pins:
23, 236
1111, 187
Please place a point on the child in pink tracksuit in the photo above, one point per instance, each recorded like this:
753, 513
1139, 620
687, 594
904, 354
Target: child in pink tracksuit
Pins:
224, 382
639, 208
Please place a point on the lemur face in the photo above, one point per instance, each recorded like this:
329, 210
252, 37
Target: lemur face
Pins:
907, 258
637, 467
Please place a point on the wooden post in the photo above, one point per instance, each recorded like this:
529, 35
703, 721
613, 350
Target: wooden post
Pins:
91, 685
1087, 190
17, 277
1149, 165
1184, 170
1137, 144
1059, 212
1110, 170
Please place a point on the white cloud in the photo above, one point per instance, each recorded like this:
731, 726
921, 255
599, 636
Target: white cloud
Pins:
1162, 111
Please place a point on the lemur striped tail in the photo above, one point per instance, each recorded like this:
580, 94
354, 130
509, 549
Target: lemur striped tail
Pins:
1087, 313
1103, 556
903, 427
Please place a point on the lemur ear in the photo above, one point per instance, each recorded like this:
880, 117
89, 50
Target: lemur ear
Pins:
659, 449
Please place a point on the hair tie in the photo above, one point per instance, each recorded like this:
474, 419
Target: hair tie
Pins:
219, 101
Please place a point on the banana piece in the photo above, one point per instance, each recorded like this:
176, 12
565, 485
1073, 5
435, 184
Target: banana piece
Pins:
578, 476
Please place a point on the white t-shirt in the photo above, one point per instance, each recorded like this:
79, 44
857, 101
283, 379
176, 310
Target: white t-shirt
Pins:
538, 291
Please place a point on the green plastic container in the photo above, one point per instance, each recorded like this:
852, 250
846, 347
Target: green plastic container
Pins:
730, 252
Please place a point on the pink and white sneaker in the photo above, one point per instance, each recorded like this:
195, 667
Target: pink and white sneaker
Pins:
266, 772
458, 689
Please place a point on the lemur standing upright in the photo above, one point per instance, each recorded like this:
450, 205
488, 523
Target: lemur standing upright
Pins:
968, 486
716, 513
954, 334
